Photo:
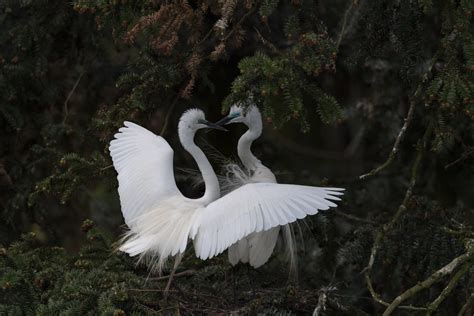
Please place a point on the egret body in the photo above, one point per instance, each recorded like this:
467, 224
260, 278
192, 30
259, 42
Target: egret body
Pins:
257, 247
161, 220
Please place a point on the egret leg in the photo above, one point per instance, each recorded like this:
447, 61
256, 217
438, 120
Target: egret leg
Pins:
177, 261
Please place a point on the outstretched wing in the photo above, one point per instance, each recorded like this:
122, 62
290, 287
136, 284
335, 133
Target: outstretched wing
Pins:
255, 207
144, 163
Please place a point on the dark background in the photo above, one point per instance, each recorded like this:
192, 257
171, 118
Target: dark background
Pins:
335, 80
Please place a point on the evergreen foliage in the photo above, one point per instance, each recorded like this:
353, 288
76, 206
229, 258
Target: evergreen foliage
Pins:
386, 86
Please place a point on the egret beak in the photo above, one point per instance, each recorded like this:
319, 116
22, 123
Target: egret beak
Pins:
224, 121
214, 126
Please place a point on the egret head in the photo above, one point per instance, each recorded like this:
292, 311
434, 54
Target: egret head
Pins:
250, 116
194, 119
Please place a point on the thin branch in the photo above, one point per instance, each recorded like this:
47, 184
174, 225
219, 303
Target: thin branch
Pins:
435, 277
462, 233
168, 115
242, 19
66, 103
401, 209
406, 123
203, 39
105, 168
355, 218
150, 290
176, 275
344, 22
266, 42
464, 308
396, 145
463, 157
448, 289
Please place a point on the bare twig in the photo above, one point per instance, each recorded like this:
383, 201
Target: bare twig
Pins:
168, 115
463, 157
344, 22
406, 123
265, 41
435, 277
242, 19
65, 106
464, 309
176, 275
401, 209
462, 232
355, 218
396, 145
379, 300
355, 143
451, 285
106, 167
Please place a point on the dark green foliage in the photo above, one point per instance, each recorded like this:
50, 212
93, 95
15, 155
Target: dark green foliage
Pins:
344, 72
39, 280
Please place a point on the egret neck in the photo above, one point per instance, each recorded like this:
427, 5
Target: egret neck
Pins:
245, 142
212, 191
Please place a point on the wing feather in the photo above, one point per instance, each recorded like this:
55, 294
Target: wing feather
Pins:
144, 163
255, 207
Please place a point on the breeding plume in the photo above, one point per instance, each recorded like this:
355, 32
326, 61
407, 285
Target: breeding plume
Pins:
161, 219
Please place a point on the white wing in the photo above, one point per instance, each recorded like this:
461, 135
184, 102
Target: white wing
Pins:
255, 207
144, 162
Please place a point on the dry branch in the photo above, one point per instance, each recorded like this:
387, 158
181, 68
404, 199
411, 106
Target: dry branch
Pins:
388, 226
406, 123
435, 277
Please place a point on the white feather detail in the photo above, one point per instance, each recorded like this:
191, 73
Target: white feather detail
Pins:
163, 231
234, 216
144, 163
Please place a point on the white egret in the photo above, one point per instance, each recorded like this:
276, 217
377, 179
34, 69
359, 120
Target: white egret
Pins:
158, 215
257, 247
161, 219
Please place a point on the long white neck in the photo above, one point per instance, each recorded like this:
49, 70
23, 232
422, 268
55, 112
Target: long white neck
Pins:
212, 191
245, 143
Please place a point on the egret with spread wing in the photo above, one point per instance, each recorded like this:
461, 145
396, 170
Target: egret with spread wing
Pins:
257, 247
161, 219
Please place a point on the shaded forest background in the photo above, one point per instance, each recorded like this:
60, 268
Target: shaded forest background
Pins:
373, 96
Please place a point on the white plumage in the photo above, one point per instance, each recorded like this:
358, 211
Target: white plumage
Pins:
161, 220
257, 247
256, 207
